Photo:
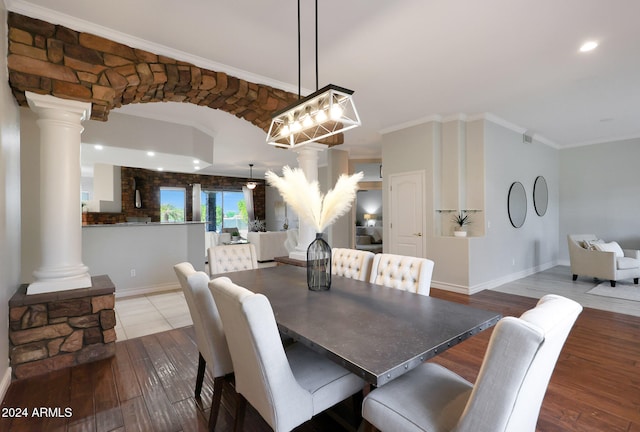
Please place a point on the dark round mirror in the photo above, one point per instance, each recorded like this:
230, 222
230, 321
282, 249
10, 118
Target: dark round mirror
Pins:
517, 204
540, 196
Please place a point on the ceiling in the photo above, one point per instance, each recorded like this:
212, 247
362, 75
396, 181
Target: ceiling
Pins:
406, 60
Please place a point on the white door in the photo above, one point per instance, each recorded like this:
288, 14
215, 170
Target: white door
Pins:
407, 226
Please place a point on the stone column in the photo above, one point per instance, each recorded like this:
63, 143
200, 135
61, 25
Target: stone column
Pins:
60, 123
308, 163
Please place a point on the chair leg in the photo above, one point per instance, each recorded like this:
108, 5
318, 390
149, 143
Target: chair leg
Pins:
575, 277
241, 407
200, 377
215, 402
635, 281
356, 400
613, 284
368, 427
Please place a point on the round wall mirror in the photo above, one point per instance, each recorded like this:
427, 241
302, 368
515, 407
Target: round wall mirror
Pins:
540, 196
517, 204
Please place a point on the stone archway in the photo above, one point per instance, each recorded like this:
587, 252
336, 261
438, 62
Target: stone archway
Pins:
51, 59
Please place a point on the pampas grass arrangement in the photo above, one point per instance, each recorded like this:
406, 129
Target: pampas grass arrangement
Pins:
308, 202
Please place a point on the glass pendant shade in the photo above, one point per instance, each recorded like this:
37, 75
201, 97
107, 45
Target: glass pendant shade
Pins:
251, 184
328, 111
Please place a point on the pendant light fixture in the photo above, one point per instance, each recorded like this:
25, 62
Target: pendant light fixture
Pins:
326, 112
251, 184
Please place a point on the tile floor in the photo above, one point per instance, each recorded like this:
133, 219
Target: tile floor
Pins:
557, 280
153, 313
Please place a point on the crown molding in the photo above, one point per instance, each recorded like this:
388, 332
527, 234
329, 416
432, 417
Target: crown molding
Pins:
601, 141
469, 118
77, 24
411, 123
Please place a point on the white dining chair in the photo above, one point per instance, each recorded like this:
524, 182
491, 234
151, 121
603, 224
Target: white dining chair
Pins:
210, 338
508, 393
351, 263
402, 272
228, 258
287, 387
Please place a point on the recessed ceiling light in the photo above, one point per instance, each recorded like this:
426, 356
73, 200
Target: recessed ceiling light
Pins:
150, 153
588, 46
196, 162
98, 147
160, 169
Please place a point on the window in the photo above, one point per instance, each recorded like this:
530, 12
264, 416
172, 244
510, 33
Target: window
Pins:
172, 204
224, 209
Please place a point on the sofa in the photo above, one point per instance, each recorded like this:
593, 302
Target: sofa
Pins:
590, 256
269, 244
369, 239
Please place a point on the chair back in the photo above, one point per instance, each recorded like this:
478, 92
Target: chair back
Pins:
262, 371
292, 240
517, 367
228, 258
351, 263
210, 336
402, 272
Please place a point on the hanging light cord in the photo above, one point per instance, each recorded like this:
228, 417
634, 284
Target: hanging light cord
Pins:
299, 67
299, 58
316, 45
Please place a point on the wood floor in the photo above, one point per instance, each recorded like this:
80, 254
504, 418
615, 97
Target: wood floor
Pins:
148, 385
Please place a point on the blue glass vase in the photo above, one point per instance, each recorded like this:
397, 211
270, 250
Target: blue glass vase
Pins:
319, 264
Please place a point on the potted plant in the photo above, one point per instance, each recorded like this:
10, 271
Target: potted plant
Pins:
461, 220
235, 235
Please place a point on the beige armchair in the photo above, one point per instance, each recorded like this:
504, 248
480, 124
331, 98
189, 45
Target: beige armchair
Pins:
593, 258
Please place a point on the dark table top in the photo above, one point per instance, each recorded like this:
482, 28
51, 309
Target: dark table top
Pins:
376, 332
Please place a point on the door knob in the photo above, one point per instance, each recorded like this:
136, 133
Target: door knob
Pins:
418, 234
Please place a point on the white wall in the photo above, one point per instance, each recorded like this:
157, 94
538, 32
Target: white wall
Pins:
476, 174
150, 250
10, 260
600, 193
30, 192
369, 201
143, 133
506, 253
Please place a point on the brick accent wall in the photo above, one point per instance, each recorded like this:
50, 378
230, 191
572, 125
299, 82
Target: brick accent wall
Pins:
56, 330
51, 59
149, 183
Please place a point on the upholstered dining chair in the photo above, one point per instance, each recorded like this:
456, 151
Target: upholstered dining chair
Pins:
402, 272
228, 258
351, 263
287, 387
210, 337
508, 393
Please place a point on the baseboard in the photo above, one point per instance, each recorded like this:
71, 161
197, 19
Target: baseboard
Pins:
5, 383
138, 291
469, 290
460, 289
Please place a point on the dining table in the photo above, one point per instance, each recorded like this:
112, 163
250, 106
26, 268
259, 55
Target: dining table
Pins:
376, 332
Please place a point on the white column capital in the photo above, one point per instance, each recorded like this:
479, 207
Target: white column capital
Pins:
46, 105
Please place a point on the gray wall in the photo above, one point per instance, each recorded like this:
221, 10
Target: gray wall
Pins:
600, 193
489, 159
10, 198
504, 252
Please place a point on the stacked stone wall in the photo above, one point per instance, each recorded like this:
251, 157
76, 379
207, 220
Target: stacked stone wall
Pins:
51, 59
52, 331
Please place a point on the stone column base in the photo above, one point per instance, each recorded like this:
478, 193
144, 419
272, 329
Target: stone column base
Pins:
56, 330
